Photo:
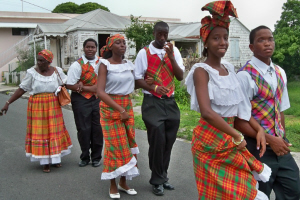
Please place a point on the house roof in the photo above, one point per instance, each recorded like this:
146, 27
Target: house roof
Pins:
185, 31
17, 25
95, 20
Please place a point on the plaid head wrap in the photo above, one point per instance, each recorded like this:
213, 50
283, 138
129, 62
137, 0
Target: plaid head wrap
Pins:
220, 11
48, 55
109, 42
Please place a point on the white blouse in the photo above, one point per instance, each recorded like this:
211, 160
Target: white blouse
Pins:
120, 78
35, 83
225, 92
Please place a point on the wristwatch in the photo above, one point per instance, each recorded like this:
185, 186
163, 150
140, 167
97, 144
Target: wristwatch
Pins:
239, 142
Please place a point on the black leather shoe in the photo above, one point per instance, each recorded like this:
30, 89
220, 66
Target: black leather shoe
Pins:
96, 163
83, 163
158, 190
168, 186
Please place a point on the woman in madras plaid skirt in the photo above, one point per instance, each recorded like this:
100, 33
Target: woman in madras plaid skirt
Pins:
115, 83
47, 138
224, 168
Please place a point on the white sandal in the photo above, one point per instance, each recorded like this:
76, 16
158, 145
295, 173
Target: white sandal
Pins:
114, 196
129, 191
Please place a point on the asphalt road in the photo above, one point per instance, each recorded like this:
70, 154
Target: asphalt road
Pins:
22, 179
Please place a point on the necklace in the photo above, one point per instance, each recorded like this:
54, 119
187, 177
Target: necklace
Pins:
270, 72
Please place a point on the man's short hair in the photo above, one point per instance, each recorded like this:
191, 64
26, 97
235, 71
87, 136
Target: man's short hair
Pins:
254, 31
89, 40
160, 24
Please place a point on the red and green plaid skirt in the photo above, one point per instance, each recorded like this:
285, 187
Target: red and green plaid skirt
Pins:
221, 171
47, 135
120, 146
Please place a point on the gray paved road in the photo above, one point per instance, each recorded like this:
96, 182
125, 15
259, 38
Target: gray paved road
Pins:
22, 179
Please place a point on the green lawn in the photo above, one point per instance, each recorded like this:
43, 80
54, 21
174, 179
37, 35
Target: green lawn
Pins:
189, 118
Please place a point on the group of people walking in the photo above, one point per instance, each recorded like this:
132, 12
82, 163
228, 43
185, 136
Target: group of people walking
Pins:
228, 164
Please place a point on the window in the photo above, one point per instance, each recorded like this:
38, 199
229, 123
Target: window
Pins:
234, 49
19, 31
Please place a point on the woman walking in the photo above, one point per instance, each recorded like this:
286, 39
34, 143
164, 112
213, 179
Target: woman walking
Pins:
224, 168
47, 139
115, 83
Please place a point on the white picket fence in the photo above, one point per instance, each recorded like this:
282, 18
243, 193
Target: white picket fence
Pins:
16, 77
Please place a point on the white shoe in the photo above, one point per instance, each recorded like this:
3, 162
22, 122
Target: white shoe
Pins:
114, 196
130, 191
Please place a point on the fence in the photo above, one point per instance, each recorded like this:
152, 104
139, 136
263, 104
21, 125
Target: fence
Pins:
14, 77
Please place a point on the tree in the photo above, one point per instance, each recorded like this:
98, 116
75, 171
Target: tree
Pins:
287, 38
26, 57
139, 32
87, 7
70, 7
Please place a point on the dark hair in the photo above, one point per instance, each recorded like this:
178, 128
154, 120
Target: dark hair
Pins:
160, 24
204, 52
254, 31
108, 54
89, 40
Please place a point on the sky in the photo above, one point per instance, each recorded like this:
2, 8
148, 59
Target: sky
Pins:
252, 13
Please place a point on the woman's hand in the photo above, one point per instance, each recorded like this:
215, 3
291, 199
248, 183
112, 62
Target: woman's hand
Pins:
261, 142
238, 139
5, 108
124, 116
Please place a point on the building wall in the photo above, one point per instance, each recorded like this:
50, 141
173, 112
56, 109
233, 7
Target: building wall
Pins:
239, 32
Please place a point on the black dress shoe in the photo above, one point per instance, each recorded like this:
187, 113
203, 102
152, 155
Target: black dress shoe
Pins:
83, 163
168, 186
96, 163
158, 190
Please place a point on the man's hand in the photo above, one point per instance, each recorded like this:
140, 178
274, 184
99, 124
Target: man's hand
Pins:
162, 90
149, 80
169, 50
79, 86
261, 142
279, 146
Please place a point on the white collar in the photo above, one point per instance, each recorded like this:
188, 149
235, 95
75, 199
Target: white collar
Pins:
85, 60
260, 65
154, 50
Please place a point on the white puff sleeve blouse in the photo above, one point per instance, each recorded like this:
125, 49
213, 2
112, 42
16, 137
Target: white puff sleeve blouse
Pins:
35, 83
120, 78
225, 92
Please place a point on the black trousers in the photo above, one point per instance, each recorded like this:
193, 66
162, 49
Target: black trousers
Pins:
162, 118
284, 179
89, 131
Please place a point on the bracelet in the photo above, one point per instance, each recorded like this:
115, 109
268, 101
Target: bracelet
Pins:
7, 102
122, 111
239, 142
155, 88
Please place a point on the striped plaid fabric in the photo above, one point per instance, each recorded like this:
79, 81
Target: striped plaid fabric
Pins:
46, 132
161, 71
221, 171
220, 11
119, 136
265, 105
88, 76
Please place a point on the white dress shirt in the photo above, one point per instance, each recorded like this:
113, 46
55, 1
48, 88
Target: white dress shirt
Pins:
35, 83
74, 72
141, 62
120, 78
250, 88
225, 92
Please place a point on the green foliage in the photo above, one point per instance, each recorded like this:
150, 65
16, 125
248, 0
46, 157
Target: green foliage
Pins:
70, 7
139, 123
181, 95
294, 95
287, 38
87, 7
140, 32
26, 58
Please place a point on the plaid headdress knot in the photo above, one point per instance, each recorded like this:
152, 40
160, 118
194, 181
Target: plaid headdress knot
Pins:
109, 42
220, 11
48, 55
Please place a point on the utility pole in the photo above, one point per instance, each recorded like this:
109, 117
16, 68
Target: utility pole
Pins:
22, 5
